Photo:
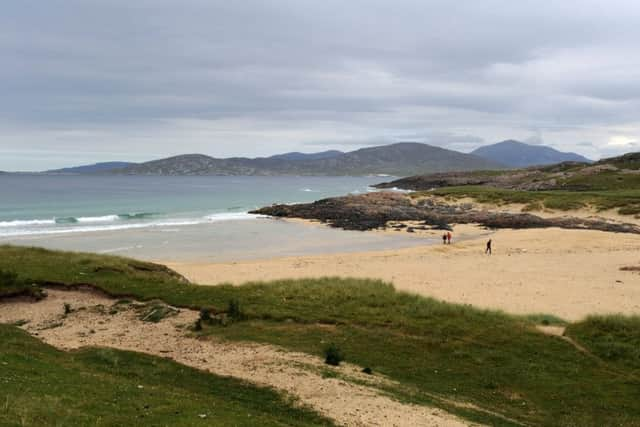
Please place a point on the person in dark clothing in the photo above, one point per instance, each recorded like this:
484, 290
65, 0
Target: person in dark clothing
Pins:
444, 239
488, 250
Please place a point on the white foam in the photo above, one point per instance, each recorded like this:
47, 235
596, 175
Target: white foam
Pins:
25, 229
401, 190
231, 216
105, 218
86, 229
26, 223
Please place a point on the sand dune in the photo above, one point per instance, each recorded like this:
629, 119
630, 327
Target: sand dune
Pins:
353, 400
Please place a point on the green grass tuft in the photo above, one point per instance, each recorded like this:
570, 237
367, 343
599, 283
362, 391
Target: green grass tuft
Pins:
156, 311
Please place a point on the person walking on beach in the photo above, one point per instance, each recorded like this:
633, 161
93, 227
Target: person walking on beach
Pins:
449, 237
488, 250
444, 238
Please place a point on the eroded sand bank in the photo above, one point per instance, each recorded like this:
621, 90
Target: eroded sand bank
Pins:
93, 322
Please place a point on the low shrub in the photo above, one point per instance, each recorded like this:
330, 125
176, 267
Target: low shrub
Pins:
234, 311
333, 355
205, 315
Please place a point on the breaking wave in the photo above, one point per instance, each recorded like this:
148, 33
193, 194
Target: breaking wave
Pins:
63, 225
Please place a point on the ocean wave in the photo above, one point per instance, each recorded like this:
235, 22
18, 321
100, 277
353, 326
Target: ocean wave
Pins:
105, 218
26, 223
111, 223
87, 229
68, 220
139, 215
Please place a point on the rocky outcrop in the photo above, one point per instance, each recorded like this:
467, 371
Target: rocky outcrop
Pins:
375, 210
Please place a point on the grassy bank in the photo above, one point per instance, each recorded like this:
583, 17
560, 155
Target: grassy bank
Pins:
626, 201
441, 354
614, 339
43, 386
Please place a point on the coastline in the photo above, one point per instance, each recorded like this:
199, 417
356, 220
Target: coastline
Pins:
225, 241
567, 273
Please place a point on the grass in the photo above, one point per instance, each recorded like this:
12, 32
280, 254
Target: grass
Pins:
437, 352
627, 201
40, 385
614, 339
11, 285
604, 181
546, 319
155, 311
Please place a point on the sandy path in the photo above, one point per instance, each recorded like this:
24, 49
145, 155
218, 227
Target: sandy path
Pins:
569, 273
294, 373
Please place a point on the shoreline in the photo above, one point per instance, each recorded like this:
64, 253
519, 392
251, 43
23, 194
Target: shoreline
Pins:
227, 241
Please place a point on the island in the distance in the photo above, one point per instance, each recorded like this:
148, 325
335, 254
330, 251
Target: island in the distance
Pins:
400, 159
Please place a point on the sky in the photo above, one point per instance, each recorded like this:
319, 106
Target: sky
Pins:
83, 81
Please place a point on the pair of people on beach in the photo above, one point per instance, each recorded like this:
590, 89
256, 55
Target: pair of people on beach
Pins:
446, 239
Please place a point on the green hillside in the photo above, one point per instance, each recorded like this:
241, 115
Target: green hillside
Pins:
482, 365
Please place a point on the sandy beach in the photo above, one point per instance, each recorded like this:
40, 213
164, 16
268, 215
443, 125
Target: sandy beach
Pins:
567, 273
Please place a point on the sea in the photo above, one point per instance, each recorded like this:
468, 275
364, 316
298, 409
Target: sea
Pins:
162, 218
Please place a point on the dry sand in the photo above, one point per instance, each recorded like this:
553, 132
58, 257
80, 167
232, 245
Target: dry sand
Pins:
298, 374
568, 273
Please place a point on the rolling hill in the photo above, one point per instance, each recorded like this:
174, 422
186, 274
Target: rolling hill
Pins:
399, 159
94, 168
518, 154
307, 156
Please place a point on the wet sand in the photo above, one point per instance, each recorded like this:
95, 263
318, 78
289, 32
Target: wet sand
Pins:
223, 241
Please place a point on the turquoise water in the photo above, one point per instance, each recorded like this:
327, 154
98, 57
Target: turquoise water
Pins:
37, 205
178, 218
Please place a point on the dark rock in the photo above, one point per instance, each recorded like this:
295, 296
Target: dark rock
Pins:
375, 210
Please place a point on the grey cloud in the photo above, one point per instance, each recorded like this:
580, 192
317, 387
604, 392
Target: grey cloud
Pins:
536, 139
262, 77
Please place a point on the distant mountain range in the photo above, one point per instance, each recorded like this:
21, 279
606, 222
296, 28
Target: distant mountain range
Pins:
307, 156
518, 154
400, 159
94, 168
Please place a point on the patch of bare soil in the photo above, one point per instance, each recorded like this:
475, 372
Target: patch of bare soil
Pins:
73, 319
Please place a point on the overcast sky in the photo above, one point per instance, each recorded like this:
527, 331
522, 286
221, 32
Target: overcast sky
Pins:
89, 80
